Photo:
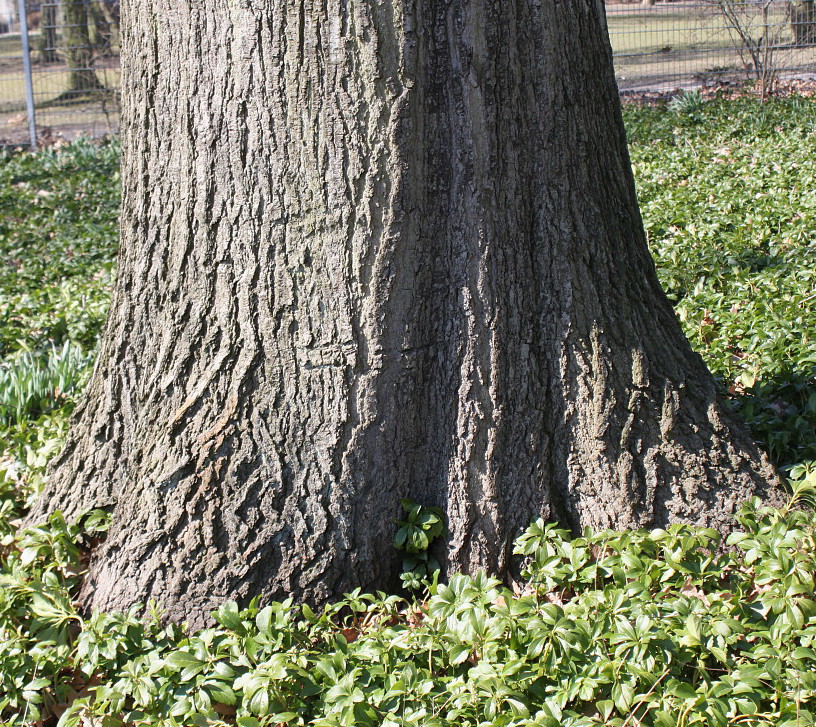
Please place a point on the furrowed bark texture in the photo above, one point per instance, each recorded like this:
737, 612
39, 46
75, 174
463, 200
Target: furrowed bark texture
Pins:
373, 250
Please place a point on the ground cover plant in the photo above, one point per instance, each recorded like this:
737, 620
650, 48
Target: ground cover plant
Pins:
728, 197
58, 217
656, 628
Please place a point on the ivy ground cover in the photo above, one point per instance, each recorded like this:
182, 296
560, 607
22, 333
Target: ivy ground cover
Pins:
662, 628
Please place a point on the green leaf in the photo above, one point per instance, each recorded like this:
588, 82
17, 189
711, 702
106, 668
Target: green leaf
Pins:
228, 616
179, 660
221, 693
681, 690
283, 717
37, 684
308, 614
622, 695
664, 719
605, 707
264, 619
259, 703
50, 610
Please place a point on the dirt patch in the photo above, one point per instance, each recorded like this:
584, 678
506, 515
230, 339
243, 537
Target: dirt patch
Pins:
805, 87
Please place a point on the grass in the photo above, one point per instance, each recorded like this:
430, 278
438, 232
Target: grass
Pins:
659, 629
636, 30
48, 84
10, 45
88, 114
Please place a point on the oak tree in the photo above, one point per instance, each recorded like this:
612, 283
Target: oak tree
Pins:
375, 249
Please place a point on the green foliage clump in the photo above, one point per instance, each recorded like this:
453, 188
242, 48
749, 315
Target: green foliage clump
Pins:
39, 569
32, 385
687, 102
415, 535
660, 628
58, 218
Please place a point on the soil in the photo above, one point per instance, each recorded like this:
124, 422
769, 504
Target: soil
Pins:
785, 88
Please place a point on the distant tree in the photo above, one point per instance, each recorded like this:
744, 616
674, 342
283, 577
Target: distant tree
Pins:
48, 40
105, 16
8, 15
78, 49
760, 34
803, 21
375, 250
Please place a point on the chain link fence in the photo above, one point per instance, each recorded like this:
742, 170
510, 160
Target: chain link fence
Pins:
671, 45
67, 82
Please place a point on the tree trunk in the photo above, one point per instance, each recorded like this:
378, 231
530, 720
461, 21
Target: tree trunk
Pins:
803, 21
76, 35
105, 16
370, 251
47, 43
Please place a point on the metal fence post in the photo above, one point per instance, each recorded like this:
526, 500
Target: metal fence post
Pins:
32, 124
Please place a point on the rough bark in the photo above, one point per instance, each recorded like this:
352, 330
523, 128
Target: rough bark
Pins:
369, 251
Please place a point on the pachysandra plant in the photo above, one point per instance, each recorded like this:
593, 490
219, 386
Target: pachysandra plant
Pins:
415, 535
